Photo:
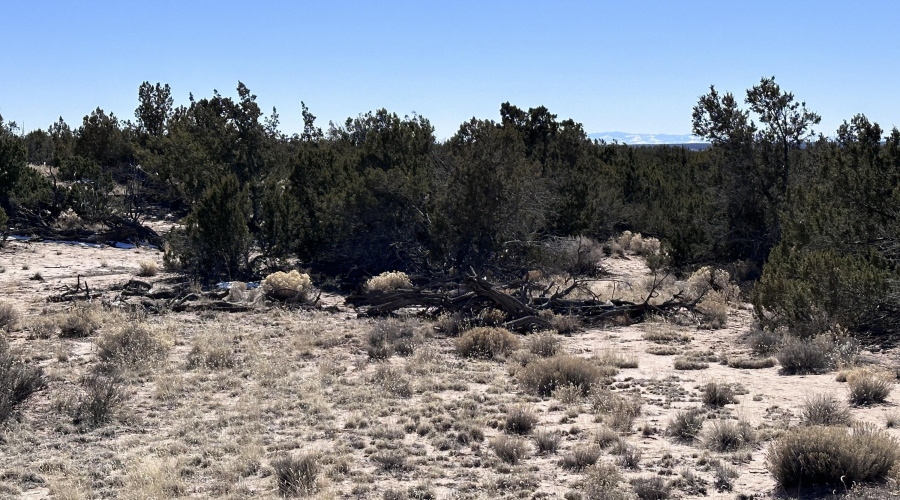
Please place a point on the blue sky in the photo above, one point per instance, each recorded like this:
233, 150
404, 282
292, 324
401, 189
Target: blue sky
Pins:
624, 66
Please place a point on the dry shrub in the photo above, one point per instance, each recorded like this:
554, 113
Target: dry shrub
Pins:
543, 376
387, 281
390, 337
212, 349
510, 449
751, 363
651, 488
393, 380
486, 343
544, 344
609, 357
868, 387
713, 310
803, 356
581, 457
730, 436
284, 286
634, 243
824, 409
618, 411
9, 317
709, 282
601, 482
520, 420
565, 324
833, 456
42, 328
547, 441
103, 394
296, 475
716, 394
629, 456
17, 381
452, 324
664, 335
764, 342
83, 321
147, 268
686, 425
133, 344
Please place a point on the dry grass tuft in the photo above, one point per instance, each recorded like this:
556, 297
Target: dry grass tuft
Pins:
147, 268
17, 381
390, 337
824, 409
212, 349
544, 344
717, 394
686, 425
9, 317
688, 363
581, 457
832, 456
868, 387
486, 343
803, 356
547, 441
724, 436
296, 475
83, 321
520, 420
153, 477
601, 482
651, 488
751, 363
133, 344
387, 281
543, 376
510, 449
103, 395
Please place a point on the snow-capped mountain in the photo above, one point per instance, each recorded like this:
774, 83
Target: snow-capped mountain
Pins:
647, 139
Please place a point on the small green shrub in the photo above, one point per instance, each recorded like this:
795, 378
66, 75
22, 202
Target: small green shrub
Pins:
764, 342
486, 343
296, 475
833, 456
543, 376
824, 409
686, 425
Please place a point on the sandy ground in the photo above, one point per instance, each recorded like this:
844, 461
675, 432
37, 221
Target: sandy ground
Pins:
300, 382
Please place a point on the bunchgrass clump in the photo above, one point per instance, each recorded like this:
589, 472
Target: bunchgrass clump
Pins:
103, 394
745, 363
9, 316
868, 388
390, 337
689, 363
544, 344
296, 475
581, 457
716, 394
728, 435
832, 456
543, 376
601, 482
133, 344
520, 420
486, 343
651, 488
213, 349
824, 409
510, 449
17, 381
82, 321
686, 425
147, 268
547, 441
803, 356
764, 342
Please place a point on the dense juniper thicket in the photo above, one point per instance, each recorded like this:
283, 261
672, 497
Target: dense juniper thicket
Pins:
379, 192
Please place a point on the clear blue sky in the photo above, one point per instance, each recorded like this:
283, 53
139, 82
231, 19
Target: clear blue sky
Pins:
624, 66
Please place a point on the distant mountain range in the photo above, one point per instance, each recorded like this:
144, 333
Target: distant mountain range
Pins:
650, 139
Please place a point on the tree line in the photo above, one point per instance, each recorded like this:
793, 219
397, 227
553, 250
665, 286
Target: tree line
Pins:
378, 192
